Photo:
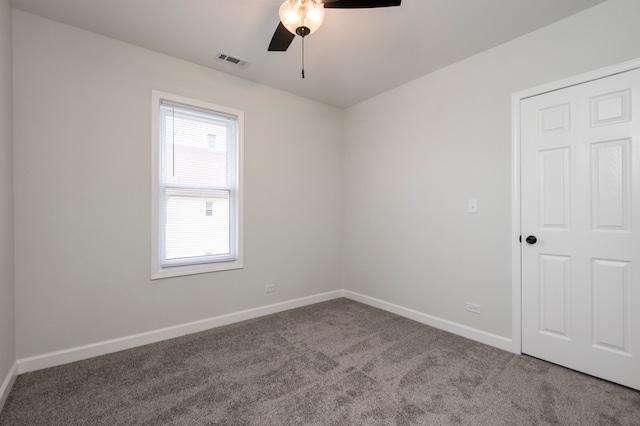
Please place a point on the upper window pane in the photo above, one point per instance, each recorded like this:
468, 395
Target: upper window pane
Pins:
196, 146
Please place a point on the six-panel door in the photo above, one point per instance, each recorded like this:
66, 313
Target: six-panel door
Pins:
581, 200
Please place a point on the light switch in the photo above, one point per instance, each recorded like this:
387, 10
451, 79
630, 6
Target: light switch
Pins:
472, 206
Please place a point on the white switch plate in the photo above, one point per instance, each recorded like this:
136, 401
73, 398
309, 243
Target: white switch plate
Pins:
472, 206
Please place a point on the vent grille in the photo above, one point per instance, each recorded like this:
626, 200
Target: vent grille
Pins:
232, 60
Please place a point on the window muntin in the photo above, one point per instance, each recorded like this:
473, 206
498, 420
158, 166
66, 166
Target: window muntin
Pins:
198, 191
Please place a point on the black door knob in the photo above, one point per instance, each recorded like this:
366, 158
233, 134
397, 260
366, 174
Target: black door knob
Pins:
531, 239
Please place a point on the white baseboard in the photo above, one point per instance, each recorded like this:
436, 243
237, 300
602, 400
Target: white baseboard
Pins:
79, 353
446, 325
7, 384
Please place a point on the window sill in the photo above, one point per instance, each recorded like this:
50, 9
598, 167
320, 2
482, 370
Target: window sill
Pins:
178, 271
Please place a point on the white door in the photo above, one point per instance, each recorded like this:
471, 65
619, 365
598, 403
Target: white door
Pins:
581, 201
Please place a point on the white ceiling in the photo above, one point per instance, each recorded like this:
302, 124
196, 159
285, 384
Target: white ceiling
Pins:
355, 55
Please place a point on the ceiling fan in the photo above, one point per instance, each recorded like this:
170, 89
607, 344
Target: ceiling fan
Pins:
303, 17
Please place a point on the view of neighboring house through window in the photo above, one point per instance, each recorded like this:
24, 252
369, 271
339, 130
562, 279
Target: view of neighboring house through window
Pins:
198, 187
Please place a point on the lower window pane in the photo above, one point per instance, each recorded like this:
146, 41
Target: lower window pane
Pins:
197, 223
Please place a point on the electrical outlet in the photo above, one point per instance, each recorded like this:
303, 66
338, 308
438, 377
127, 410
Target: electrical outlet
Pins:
269, 288
473, 308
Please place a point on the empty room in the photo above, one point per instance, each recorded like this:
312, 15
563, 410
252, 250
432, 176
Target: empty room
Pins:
299, 212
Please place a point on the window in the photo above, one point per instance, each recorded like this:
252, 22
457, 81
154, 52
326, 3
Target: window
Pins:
197, 187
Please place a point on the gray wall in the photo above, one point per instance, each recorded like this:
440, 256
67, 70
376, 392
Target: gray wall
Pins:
7, 329
393, 174
416, 154
83, 191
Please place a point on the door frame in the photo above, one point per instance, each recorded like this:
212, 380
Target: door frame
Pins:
516, 229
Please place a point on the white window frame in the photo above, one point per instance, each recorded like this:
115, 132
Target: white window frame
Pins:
159, 271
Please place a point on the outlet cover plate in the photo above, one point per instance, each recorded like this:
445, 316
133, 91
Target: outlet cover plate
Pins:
473, 308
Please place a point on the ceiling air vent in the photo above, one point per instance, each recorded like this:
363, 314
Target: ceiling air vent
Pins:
231, 60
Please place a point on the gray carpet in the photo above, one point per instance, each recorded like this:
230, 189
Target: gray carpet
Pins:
334, 363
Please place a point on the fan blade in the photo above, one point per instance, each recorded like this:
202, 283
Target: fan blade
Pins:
359, 4
281, 39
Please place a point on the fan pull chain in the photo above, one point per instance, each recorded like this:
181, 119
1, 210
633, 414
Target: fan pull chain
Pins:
302, 57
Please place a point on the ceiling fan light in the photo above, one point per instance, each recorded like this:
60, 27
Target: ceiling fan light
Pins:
316, 14
291, 17
302, 13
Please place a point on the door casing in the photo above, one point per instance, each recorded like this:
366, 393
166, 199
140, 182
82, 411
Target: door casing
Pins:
516, 259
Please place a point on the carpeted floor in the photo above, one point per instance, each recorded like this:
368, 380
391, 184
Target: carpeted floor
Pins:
334, 363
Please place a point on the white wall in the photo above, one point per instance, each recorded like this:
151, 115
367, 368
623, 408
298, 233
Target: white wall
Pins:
398, 188
416, 154
7, 329
83, 191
